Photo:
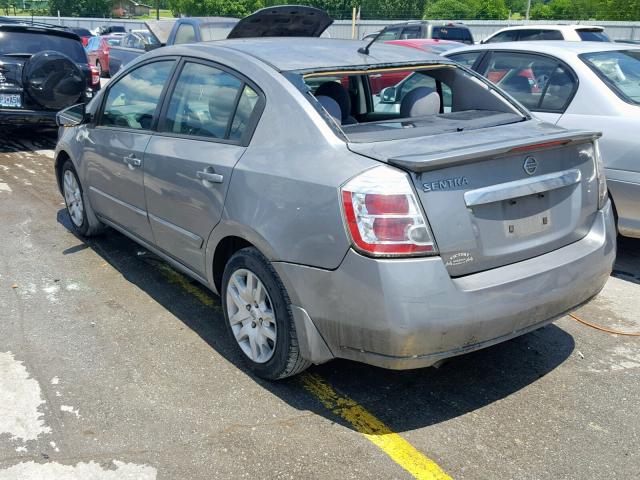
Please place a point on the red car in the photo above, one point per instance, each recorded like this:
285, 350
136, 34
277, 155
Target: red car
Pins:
98, 52
431, 45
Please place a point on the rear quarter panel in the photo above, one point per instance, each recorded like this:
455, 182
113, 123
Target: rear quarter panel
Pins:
284, 192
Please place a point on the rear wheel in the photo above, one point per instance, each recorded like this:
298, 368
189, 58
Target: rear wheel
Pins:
258, 316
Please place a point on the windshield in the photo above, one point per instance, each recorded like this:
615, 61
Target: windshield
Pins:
395, 102
114, 41
593, 36
30, 43
620, 70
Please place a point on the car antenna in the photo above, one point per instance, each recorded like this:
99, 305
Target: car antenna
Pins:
365, 50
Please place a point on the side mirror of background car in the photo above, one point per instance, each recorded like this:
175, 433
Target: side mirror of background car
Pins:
72, 116
388, 95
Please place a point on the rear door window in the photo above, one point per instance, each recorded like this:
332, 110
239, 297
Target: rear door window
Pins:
528, 34
507, 36
209, 102
551, 35
132, 101
538, 82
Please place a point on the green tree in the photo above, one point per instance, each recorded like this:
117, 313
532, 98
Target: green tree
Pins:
541, 11
450, 9
492, 10
225, 8
80, 8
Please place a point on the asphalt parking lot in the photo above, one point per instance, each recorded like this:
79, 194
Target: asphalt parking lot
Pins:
114, 366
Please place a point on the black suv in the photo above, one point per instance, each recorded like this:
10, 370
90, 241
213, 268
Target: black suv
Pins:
42, 71
456, 32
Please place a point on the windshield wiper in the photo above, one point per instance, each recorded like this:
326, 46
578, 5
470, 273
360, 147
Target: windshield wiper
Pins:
24, 55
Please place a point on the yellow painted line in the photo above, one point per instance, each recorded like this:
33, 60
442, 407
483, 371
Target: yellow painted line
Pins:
396, 447
177, 278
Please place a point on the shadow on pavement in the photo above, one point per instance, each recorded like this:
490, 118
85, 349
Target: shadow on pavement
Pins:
26, 139
627, 266
405, 400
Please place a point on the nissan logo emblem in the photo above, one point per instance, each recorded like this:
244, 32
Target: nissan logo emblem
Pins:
530, 165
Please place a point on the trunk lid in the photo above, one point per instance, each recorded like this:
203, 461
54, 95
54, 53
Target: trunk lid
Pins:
283, 21
499, 195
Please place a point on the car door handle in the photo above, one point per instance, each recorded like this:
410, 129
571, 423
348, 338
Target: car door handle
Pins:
132, 161
209, 175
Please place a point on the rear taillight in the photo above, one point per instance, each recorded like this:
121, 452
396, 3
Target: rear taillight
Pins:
383, 216
95, 75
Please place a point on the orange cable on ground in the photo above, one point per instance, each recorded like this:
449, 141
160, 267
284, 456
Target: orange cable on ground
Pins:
604, 329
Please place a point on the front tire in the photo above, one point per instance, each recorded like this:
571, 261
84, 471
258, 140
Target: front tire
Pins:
258, 317
83, 221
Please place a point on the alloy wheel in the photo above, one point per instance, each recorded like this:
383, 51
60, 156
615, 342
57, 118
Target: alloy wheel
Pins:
73, 198
251, 315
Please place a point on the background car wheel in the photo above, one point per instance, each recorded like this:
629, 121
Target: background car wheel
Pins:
99, 67
82, 219
257, 313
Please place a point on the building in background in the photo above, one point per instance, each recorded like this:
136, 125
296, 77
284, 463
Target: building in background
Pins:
130, 8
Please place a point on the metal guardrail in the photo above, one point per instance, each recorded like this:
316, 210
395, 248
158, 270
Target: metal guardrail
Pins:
342, 28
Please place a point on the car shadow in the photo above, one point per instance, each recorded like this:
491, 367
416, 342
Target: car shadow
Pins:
405, 400
27, 138
627, 266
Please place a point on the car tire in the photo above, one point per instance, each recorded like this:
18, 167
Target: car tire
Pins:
99, 67
284, 359
83, 221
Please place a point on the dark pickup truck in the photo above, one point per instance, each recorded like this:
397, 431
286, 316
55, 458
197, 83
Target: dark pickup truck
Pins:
42, 70
279, 21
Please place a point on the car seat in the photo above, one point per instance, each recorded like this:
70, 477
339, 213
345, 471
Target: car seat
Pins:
419, 102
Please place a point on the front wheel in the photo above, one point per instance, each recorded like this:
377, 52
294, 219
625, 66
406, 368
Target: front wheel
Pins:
257, 313
76, 205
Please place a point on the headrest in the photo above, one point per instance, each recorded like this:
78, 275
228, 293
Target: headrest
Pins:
339, 94
331, 106
419, 102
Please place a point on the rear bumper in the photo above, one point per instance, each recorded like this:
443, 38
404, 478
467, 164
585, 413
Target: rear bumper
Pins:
409, 313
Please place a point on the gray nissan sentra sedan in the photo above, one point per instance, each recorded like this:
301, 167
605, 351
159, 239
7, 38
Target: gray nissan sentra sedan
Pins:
334, 216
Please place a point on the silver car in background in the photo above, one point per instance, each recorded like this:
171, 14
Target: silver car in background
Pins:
333, 228
592, 85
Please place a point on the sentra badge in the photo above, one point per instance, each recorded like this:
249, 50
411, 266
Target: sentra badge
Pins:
446, 184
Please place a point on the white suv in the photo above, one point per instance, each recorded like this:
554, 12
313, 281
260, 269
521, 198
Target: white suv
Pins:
575, 33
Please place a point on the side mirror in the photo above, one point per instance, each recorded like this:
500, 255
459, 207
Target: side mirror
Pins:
72, 116
389, 95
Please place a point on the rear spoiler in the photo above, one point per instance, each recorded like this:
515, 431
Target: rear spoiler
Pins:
434, 161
